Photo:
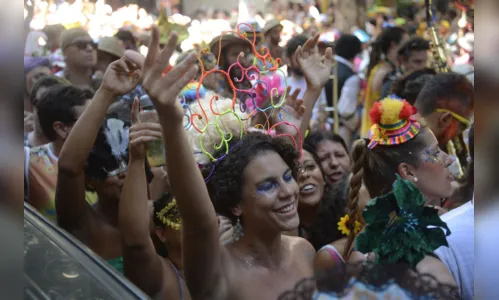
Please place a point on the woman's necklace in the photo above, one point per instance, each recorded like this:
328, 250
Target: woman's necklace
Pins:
247, 259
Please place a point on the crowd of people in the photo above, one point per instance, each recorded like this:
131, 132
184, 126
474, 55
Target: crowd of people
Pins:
255, 191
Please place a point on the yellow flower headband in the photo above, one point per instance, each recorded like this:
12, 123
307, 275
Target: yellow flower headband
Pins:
169, 215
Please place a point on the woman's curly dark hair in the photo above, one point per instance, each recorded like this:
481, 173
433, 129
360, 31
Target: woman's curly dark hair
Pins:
226, 182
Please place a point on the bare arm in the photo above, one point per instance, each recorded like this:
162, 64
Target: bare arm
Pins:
309, 99
201, 248
378, 79
201, 245
70, 192
317, 71
324, 261
70, 203
141, 263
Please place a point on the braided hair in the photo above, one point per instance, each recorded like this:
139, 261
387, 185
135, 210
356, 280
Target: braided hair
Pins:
376, 169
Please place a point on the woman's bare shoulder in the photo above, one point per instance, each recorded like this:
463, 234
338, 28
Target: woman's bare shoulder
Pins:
323, 260
295, 241
299, 247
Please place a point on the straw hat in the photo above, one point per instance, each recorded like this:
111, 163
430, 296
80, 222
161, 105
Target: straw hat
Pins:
70, 35
271, 25
228, 39
112, 46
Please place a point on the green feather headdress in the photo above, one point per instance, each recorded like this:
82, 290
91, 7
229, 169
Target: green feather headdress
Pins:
400, 228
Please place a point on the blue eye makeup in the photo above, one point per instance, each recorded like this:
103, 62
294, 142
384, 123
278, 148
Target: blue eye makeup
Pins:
267, 187
270, 185
288, 176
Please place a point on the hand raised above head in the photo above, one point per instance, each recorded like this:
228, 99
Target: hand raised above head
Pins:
316, 68
121, 77
292, 113
164, 90
141, 134
290, 118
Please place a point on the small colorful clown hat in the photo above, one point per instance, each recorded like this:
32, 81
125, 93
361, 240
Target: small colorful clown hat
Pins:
393, 122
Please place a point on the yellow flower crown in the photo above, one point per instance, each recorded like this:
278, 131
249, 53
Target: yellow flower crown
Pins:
169, 215
342, 225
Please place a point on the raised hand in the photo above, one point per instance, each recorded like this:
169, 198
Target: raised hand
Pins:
315, 68
121, 77
164, 90
141, 134
292, 113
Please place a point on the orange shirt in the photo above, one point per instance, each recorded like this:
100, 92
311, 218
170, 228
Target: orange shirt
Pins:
41, 167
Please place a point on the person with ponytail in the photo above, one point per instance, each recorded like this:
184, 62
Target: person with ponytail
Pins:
400, 151
383, 63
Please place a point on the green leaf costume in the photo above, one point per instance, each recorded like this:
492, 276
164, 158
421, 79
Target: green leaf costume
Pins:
400, 228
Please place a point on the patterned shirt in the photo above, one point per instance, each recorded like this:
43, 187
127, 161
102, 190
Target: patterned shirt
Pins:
41, 169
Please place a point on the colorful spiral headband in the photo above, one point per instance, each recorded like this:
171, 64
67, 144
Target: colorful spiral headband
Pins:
394, 122
209, 118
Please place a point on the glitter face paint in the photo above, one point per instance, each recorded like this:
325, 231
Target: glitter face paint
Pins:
433, 155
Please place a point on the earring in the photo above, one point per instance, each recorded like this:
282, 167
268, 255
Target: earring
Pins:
238, 230
415, 179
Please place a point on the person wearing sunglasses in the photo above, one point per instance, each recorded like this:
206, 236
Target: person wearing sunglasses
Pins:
80, 56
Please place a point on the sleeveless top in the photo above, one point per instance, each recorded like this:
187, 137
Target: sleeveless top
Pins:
41, 180
335, 255
177, 273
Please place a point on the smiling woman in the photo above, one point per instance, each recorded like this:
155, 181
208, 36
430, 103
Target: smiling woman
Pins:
255, 187
261, 170
323, 198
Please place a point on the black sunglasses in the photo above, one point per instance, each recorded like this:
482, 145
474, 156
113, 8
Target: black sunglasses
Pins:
82, 45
